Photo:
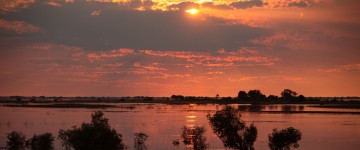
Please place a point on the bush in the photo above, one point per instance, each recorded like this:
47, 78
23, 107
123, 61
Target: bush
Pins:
42, 142
92, 136
233, 132
284, 139
16, 141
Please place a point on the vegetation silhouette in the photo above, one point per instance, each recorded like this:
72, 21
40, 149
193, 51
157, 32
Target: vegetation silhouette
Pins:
92, 136
16, 141
242, 95
41, 142
256, 95
194, 137
288, 94
284, 139
139, 141
233, 132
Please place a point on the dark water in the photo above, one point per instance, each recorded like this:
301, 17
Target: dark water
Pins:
163, 123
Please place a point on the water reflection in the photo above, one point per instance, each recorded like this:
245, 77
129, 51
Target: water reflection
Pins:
288, 108
273, 107
251, 108
262, 108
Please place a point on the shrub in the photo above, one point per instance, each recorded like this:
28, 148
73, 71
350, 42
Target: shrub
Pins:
284, 139
42, 142
16, 141
92, 136
232, 131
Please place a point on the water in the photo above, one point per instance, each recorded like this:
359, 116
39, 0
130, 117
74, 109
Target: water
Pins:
163, 123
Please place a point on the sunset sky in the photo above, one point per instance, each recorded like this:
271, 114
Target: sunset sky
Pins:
187, 47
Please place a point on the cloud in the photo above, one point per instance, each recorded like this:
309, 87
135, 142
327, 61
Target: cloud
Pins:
116, 28
18, 26
65, 70
161, 50
342, 68
96, 13
248, 4
12, 5
302, 4
52, 3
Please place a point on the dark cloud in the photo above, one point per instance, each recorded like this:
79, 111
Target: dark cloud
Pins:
72, 24
212, 5
187, 5
184, 6
301, 4
248, 4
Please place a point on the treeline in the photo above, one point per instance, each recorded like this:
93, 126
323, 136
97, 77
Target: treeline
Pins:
252, 96
256, 95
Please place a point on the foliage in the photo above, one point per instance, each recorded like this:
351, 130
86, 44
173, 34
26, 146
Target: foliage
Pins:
242, 95
301, 97
233, 132
250, 136
139, 140
288, 94
16, 141
194, 136
42, 142
92, 136
284, 139
177, 97
256, 95
272, 98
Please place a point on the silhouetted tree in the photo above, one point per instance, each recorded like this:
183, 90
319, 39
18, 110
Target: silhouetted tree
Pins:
177, 97
288, 94
242, 95
250, 136
194, 136
92, 136
18, 98
139, 141
301, 97
233, 132
272, 98
16, 141
42, 142
284, 139
256, 95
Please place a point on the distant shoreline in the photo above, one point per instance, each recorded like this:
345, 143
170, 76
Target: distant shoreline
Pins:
111, 104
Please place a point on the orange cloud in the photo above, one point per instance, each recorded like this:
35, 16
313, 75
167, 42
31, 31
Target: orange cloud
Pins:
52, 3
18, 26
342, 68
10, 5
96, 13
114, 53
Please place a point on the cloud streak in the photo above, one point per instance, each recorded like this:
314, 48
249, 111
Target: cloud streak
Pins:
18, 26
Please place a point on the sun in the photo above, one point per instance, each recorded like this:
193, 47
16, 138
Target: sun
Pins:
192, 11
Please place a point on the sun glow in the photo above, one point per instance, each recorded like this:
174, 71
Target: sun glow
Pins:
192, 11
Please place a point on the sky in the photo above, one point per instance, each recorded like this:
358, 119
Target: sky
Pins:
182, 47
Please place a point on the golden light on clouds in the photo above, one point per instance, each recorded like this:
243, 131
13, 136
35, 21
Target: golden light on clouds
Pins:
192, 11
